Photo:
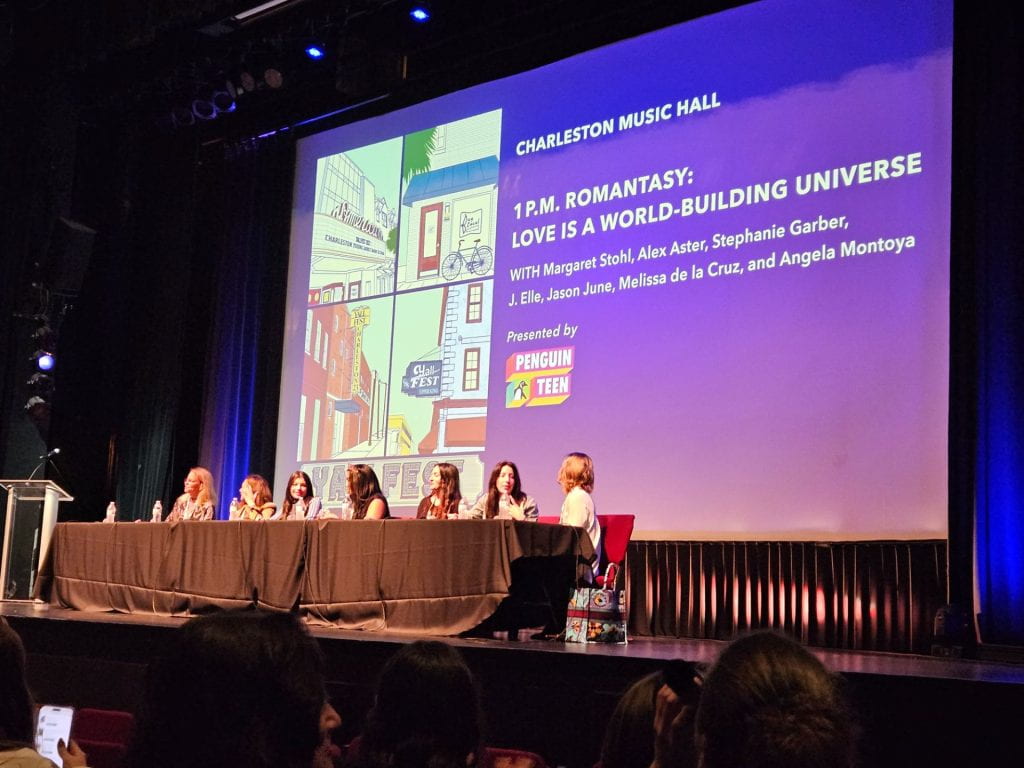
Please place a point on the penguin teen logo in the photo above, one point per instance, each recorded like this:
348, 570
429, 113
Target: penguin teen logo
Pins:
539, 377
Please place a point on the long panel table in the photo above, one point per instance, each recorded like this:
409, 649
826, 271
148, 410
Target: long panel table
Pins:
422, 576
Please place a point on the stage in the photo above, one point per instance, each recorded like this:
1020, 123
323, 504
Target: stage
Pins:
555, 698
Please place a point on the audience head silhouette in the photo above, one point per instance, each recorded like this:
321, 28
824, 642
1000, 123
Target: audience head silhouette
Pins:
16, 724
236, 688
768, 703
628, 740
426, 713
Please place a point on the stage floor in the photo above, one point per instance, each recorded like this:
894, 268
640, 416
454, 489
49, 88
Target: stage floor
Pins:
646, 648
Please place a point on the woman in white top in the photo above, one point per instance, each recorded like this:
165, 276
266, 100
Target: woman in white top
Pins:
576, 476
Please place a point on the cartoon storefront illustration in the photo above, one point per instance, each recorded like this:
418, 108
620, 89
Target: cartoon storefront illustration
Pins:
342, 406
449, 202
353, 247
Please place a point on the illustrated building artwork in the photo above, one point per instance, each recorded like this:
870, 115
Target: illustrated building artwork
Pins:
351, 258
449, 204
459, 420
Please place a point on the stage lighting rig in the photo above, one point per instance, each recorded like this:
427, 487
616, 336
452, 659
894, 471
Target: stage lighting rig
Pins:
40, 384
45, 361
420, 12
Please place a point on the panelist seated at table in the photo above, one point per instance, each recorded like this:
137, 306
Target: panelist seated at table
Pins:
299, 501
576, 476
198, 500
257, 502
368, 502
505, 498
443, 501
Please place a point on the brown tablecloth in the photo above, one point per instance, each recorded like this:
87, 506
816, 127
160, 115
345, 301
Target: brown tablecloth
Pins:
424, 576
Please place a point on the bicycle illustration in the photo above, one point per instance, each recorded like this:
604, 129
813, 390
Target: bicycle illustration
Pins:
478, 262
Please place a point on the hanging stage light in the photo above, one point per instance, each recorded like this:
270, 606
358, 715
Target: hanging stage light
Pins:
273, 77
223, 102
419, 12
203, 109
45, 361
182, 116
315, 51
38, 412
44, 335
247, 80
40, 384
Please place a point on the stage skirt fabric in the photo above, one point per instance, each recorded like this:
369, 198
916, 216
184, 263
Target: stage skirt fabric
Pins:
865, 595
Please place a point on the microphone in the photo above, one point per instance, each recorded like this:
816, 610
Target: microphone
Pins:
50, 454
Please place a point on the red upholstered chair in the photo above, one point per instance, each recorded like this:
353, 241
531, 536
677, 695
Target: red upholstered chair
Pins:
552, 519
616, 531
103, 734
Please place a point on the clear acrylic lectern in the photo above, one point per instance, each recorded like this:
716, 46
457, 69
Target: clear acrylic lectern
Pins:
28, 526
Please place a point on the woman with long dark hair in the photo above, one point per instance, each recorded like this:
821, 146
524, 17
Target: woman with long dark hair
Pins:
299, 501
443, 500
505, 497
368, 503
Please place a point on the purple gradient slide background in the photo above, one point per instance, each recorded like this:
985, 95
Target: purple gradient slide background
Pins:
786, 403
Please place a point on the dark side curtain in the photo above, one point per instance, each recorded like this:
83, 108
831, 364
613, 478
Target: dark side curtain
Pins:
245, 213
987, 308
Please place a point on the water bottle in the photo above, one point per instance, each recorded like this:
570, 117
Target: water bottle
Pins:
346, 508
463, 508
158, 511
300, 509
233, 509
111, 513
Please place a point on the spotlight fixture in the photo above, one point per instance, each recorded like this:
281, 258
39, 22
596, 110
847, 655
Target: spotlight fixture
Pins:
38, 412
40, 384
273, 77
419, 12
182, 116
315, 51
203, 109
44, 336
45, 361
223, 102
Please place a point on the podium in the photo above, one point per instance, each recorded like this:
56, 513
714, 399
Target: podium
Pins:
28, 526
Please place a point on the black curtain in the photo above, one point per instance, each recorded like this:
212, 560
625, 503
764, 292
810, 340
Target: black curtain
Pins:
986, 450
243, 226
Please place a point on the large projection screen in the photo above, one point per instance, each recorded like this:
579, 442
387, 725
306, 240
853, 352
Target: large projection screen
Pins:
714, 257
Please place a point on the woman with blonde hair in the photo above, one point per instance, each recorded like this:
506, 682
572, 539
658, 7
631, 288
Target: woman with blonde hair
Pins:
257, 501
576, 476
443, 500
199, 499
